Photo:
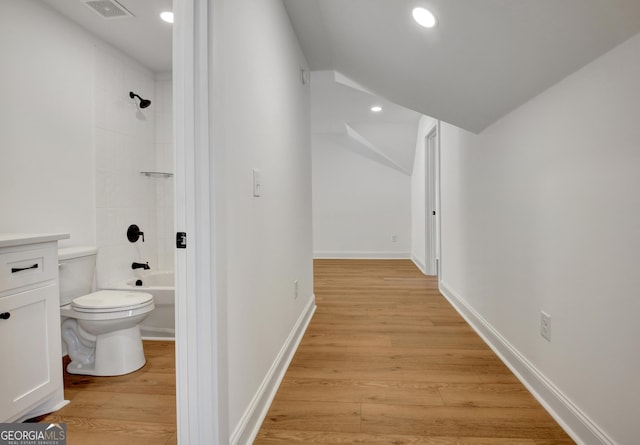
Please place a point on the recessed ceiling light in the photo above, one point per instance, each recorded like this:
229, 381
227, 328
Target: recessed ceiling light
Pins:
424, 17
167, 16
376, 109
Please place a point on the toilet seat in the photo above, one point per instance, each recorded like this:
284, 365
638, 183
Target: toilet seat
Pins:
109, 301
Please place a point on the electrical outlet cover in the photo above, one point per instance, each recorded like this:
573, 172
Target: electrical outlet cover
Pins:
545, 325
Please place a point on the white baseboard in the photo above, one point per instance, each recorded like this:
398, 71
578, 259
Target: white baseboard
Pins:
419, 264
249, 425
362, 255
569, 416
52, 404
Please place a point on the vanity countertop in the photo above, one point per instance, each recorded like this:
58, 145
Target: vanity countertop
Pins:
17, 239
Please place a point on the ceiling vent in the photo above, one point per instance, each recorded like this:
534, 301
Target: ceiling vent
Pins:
108, 9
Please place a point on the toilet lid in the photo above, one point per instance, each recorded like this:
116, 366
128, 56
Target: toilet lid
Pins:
111, 300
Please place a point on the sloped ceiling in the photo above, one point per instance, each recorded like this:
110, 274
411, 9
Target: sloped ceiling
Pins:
484, 59
341, 113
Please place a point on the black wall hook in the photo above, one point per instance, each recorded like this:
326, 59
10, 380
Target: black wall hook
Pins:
134, 233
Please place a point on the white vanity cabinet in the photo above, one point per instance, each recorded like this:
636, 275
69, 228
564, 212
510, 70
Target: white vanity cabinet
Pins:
30, 344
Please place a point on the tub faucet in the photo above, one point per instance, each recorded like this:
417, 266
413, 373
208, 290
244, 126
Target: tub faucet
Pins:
144, 266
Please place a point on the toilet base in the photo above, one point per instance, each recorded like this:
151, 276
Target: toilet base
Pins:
116, 353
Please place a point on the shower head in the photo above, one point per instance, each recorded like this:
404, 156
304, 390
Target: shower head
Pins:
144, 103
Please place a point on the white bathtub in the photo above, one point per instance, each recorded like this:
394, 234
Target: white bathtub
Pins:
160, 323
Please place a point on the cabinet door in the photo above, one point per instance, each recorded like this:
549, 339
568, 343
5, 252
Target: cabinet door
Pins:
29, 349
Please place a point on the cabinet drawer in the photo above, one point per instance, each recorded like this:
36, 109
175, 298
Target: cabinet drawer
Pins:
23, 267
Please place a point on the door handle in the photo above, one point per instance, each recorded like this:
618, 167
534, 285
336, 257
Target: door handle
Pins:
5, 315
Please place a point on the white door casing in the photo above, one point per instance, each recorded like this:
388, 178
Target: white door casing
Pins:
200, 359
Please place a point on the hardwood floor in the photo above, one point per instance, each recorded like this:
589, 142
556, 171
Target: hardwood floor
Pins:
137, 408
387, 360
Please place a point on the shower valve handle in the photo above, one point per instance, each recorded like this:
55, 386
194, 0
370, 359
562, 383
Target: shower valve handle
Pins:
134, 233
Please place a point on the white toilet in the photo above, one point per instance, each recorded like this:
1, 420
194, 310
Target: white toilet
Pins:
100, 329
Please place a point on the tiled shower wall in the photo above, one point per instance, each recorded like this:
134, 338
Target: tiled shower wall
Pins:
127, 141
164, 163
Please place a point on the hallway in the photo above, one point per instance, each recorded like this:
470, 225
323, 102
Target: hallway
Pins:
387, 360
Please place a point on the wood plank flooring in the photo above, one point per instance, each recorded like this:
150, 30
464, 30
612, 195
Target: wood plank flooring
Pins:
387, 360
137, 408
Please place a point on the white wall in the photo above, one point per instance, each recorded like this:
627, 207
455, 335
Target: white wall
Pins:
540, 212
418, 196
264, 125
358, 204
46, 115
73, 143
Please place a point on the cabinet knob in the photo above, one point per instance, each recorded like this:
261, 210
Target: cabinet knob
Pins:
5, 315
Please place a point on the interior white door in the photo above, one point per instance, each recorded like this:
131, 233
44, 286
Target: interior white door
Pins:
431, 216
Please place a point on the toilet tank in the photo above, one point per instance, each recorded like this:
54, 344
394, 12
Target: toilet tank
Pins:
76, 267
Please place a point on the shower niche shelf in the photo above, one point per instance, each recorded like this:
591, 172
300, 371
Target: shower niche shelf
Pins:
157, 174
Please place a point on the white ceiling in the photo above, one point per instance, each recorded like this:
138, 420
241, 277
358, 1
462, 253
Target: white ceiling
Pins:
143, 36
484, 59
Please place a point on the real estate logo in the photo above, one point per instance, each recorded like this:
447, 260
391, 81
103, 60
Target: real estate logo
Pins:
33, 434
